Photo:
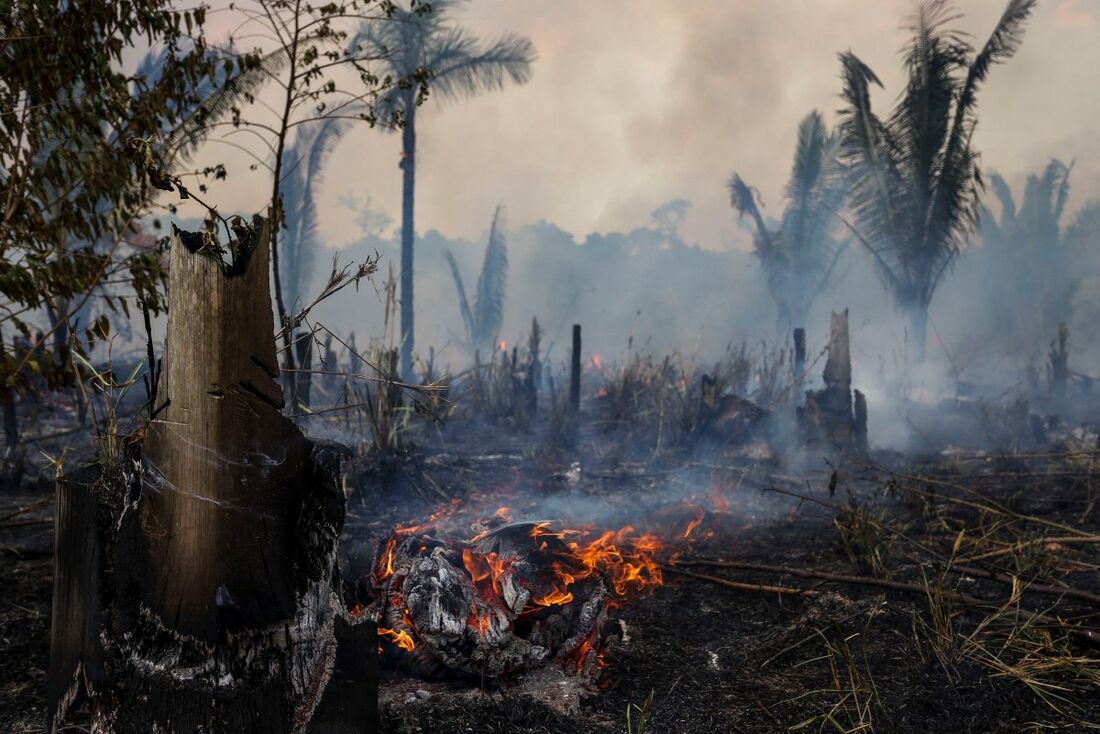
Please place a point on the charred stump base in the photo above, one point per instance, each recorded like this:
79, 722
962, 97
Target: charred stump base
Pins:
196, 586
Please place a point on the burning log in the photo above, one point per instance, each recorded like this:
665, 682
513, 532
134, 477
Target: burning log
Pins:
511, 599
194, 587
830, 415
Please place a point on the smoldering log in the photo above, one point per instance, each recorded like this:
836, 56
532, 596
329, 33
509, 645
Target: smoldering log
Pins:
490, 607
217, 535
830, 416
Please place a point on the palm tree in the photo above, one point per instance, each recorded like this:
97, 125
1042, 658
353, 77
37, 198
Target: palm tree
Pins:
800, 255
457, 65
1030, 258
305, 162
915, 179
483, 321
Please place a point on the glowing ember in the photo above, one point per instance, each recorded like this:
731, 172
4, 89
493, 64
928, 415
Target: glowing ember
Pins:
433, 519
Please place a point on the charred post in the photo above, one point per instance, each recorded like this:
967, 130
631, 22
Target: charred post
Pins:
575, 371
1059, 362
830, 415
799, 353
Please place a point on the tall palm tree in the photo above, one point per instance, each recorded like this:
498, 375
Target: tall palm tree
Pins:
1031, 260
916, 183
457, 65
800, 255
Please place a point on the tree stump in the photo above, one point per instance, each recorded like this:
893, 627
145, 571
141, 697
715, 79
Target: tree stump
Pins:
831, 416
196, 586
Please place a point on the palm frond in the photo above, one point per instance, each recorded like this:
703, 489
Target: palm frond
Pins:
463, 303
305, 162
489, 306
182, 142
461, 67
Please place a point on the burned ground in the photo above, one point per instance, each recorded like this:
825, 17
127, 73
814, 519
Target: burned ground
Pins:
852, 657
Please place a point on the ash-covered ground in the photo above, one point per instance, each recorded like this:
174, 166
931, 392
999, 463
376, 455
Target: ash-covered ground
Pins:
950, 649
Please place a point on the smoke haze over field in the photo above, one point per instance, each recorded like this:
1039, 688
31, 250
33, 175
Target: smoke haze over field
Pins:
635, 103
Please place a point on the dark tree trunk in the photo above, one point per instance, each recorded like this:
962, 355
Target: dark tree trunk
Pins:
408, 233
219, 533
575, 371
918, 331
7, 402
799, 353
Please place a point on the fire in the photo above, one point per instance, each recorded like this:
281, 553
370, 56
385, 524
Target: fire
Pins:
384, 566
597, 362
485, 567
503, 346
433, 519
400, 638
626, 560
556, 597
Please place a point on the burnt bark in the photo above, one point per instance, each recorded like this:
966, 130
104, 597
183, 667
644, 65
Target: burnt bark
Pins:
213, 554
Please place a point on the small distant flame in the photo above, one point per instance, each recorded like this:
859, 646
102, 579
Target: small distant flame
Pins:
597, 362
696, 521
503, 345
434, 518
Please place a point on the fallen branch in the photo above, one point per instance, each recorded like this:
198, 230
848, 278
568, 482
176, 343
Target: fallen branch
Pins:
765, 588
958, 597
1080, 594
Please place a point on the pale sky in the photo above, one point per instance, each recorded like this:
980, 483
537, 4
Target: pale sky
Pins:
636, 102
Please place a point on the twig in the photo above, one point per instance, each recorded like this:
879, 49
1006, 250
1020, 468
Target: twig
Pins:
765, 588
955, 596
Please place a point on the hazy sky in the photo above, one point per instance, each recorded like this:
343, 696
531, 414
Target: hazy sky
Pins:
636, 102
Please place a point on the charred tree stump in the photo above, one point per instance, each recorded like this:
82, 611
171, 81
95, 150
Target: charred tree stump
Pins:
1059, 362
830, 415
533, 377
575, 371
196, 586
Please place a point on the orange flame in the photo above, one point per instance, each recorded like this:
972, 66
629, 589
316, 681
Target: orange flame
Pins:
384, 566
434, 518
696, 521
557, 597
400, 638
484, 568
